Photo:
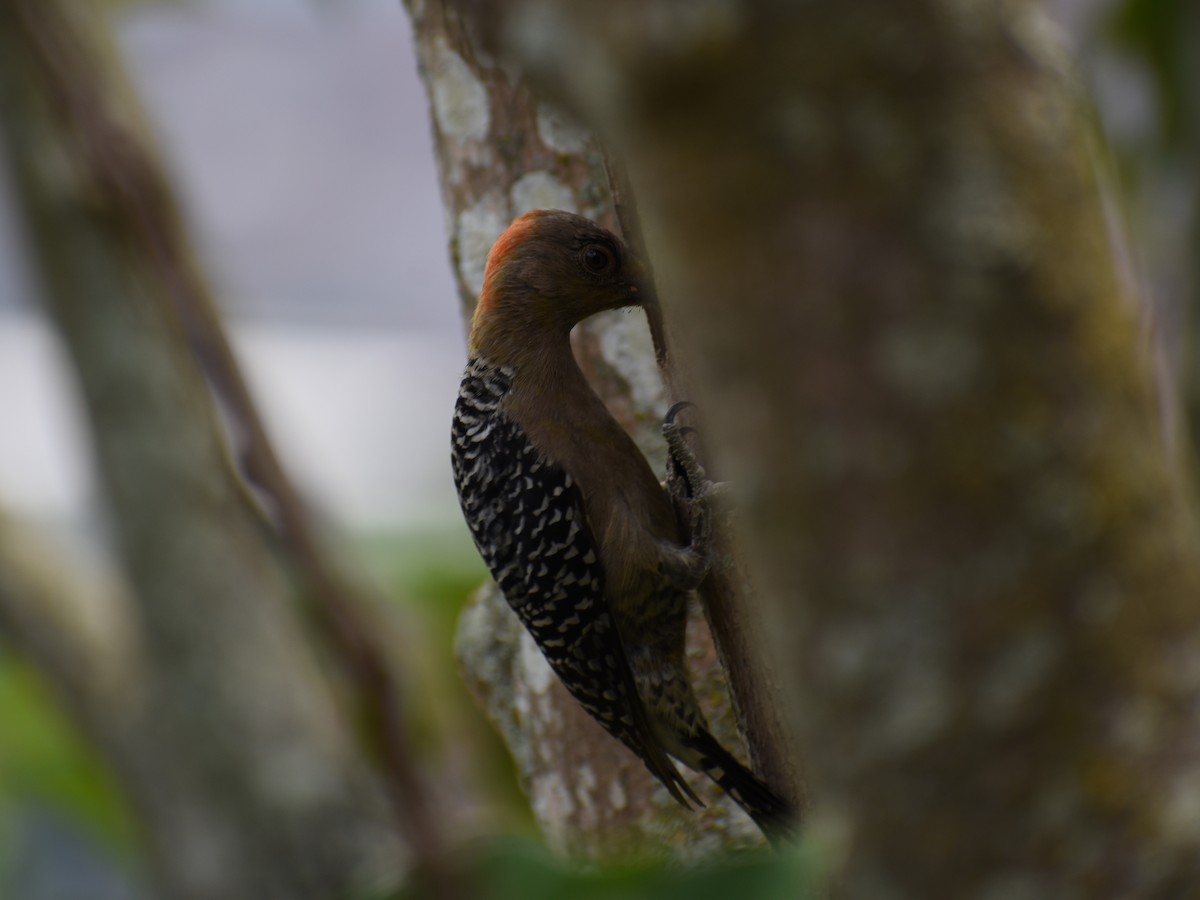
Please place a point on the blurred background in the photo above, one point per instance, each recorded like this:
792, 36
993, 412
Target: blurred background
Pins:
296, 133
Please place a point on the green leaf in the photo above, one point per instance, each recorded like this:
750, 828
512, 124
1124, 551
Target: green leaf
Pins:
513, 869
43, 760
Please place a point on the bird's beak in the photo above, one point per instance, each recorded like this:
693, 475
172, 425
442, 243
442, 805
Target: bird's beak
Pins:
641, 288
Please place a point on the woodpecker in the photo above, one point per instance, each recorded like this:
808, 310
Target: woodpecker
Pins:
578, 533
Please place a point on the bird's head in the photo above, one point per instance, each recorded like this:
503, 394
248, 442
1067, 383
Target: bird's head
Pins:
551, 269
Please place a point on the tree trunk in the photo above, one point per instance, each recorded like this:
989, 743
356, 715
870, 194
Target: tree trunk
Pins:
503, 152
879, 231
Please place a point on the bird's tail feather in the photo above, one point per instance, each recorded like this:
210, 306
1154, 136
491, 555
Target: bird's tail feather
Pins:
774, 815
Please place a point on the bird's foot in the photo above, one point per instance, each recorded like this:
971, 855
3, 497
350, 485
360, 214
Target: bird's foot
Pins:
685, 475
706, 513
697, 499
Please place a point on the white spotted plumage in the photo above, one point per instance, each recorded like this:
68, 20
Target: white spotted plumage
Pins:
528, 522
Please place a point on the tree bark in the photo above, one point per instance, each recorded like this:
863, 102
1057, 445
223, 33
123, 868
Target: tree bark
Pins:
222, 730
502, 152
878, 229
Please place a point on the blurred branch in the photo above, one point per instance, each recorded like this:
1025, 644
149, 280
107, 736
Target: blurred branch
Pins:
74, 624
246, 786
625, 207
339, 610
157, 226
1162, 177
731, 606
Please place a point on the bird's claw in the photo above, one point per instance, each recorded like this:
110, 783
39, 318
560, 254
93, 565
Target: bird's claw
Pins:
675, 410
697, 499
682, 464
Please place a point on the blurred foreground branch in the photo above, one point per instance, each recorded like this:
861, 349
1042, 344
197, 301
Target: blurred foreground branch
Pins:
731, 606
925, 384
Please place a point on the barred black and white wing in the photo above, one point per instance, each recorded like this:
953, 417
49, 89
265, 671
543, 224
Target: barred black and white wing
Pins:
528, 520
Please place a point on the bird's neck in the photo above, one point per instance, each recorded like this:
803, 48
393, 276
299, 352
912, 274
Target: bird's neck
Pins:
542, 365
525, 342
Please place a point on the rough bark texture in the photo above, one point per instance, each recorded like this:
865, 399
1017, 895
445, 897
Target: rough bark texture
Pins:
501, 153
882, 237
225, 735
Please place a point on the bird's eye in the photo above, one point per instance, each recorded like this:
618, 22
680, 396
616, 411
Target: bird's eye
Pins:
597, 259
